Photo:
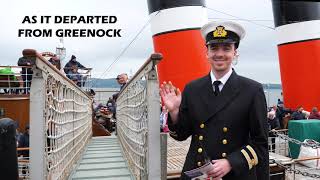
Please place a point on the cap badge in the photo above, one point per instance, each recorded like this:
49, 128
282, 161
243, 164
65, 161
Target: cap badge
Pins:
220, 32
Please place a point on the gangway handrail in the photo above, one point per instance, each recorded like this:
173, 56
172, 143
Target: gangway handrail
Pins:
138, 123
60, 120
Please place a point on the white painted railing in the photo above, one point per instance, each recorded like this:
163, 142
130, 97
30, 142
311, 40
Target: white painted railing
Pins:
15, 80
138, 123
60, 121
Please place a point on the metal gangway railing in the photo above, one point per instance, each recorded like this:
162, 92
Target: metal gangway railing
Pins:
81, 77
60, 121
15, 79
138, 124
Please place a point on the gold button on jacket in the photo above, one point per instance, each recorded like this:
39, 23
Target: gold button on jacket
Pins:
200, 138
224, 141
199, 163
225, 129
202, 126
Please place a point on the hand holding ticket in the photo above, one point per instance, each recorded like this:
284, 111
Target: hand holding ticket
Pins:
201, 172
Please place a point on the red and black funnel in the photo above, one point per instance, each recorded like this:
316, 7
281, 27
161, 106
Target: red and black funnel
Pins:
176, 34
298, 30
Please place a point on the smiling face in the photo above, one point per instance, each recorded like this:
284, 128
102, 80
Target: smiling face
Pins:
220, 56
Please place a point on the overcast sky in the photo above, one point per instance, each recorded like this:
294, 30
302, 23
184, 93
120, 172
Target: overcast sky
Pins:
258, 51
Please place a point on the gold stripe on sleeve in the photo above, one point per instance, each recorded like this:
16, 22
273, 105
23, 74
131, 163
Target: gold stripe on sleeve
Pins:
246, 155
255, 157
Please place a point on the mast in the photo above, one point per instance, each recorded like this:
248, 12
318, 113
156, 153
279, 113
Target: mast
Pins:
61, 52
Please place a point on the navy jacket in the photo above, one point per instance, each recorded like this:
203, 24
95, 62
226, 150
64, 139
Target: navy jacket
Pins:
232, 125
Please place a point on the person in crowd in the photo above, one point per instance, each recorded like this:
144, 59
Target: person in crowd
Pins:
71, 64
111, 106
273, 124
98, 107
306, 114
92, 92
24, 143
76, 81
122, 80
55, 61
279, 102
18, 133
163, 120
104, 116
223, 112
314, 113
298, 114
26, 72
282, 114
112, 101
75, 76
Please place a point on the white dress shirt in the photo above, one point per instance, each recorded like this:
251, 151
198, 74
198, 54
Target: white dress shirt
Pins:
223, 79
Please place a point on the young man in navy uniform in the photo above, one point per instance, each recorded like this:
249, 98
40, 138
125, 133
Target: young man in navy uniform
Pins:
226, 114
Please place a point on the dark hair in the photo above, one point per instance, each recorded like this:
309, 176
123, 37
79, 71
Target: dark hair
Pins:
314, 109
300, 106
92, 92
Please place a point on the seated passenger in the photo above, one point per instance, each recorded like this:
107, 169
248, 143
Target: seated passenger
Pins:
298, 114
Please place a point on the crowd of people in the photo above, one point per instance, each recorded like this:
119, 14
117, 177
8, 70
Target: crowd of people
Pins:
105, 114
278, 115
17, 83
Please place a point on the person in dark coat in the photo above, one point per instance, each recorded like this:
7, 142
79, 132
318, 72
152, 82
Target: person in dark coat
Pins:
75, 76
26, 72
23, 142
71, 64
122, 80
298, 114
281, 113
223, 112
55, 61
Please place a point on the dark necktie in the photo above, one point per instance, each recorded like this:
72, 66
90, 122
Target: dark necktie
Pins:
216, 87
